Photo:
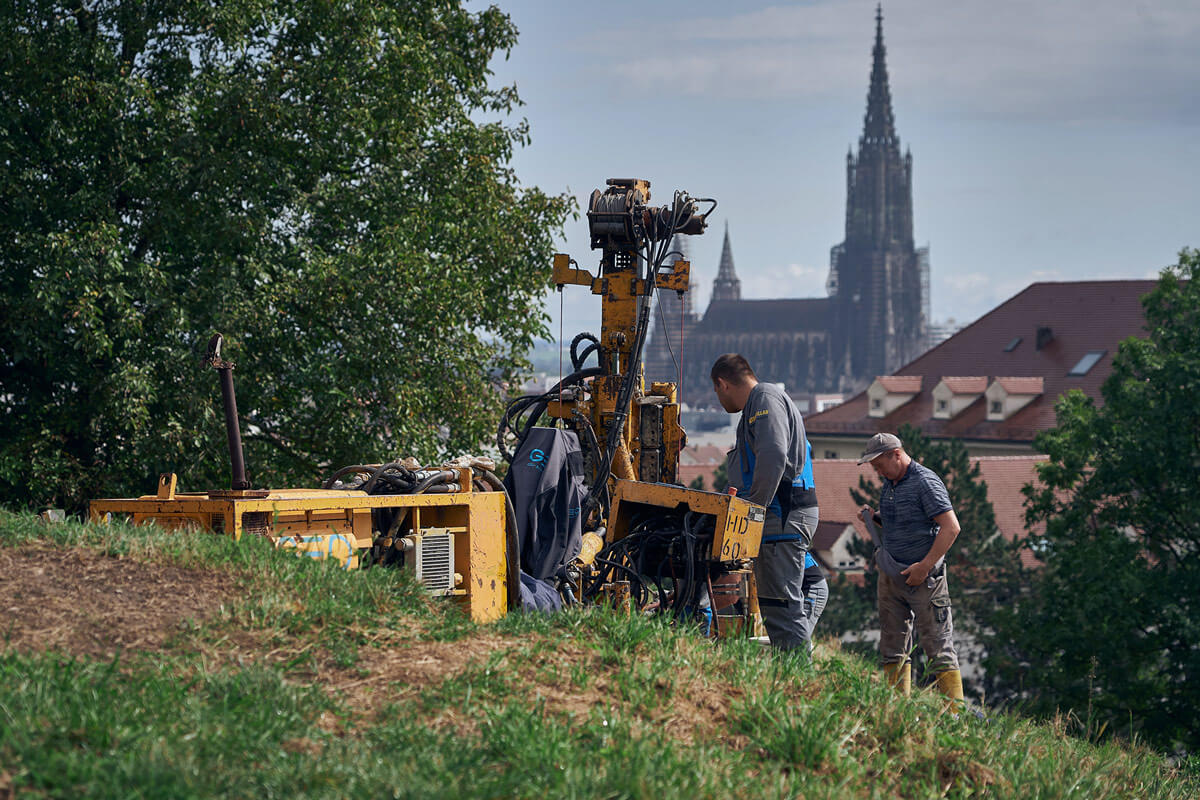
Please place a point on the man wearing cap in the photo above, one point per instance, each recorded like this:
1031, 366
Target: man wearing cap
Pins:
771, 464
918, 526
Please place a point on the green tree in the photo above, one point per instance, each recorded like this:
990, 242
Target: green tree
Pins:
720, 478
984, 566
327, 184
1111, 625
697, 483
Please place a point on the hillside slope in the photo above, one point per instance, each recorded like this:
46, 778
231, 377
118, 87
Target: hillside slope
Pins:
137, 663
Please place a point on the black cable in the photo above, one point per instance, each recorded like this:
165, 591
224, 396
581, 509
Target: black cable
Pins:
576, 357
535, 405
375, 476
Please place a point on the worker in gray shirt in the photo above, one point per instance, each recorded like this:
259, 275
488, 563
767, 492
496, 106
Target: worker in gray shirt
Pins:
771, 464
917, 525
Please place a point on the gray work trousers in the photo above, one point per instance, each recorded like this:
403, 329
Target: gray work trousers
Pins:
779, 574
928, 604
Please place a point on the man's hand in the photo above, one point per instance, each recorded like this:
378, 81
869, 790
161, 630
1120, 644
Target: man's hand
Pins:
916, 573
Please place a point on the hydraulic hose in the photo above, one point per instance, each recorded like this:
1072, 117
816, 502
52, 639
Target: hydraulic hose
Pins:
361, 468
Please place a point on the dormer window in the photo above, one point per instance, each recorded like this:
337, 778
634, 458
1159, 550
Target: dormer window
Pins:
1007, 396
889, 392
953, 395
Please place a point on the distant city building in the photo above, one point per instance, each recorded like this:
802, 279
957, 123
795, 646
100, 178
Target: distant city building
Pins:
941, 331
875, 318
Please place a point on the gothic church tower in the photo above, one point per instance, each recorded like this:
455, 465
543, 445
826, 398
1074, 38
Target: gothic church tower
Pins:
875, 274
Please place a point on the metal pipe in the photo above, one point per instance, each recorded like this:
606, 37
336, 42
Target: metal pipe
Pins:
232, 429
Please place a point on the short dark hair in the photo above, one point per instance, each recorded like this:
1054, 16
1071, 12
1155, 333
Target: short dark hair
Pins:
732, 367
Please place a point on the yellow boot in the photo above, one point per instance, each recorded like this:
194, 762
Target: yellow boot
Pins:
949, 683
899, 675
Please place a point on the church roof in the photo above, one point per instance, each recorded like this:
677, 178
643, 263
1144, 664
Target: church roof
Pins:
768, 316
1087, 318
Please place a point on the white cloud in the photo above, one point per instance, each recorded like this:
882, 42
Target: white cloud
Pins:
1058, 60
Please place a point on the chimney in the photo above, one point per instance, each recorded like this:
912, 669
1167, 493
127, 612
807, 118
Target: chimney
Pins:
1044, 337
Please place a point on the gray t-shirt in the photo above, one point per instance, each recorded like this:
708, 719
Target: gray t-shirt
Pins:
907, 508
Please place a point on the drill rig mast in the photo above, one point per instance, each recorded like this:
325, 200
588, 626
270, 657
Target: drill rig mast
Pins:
662, 543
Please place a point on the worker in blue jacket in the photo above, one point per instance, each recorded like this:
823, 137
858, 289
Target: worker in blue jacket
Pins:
771, 464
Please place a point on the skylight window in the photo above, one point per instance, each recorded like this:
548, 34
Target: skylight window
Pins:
1012, 345
1087, 362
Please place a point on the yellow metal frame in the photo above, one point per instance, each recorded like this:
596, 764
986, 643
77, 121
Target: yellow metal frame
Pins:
321, 521
739, 523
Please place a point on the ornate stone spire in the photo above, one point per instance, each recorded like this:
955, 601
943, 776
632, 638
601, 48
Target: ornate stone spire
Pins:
727, 286
879, 127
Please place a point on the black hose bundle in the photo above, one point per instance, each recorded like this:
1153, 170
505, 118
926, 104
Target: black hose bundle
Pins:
659, 546
523, 413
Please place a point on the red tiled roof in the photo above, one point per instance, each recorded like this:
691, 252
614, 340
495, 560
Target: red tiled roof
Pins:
900, 384
966, 385
702, 454
827, 534
1022, 385
1084, 317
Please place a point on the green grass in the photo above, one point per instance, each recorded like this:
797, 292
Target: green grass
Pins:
264, 698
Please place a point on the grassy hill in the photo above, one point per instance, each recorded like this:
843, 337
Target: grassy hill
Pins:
141, 664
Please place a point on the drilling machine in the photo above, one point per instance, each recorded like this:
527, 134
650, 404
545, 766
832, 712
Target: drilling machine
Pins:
650, 542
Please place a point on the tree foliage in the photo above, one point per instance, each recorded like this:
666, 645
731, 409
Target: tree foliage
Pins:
1111, 626
327, 184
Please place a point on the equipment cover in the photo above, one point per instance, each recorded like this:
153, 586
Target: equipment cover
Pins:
545, 482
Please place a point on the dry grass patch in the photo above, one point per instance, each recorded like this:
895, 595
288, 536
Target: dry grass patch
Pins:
86, 603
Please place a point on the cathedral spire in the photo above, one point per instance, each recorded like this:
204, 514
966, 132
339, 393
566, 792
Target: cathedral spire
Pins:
879, 127
727, 286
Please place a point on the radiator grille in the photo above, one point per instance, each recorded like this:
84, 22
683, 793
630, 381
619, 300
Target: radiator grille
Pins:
256, 523
435, 561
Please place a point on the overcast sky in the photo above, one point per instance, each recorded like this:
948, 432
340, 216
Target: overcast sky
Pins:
1050, 140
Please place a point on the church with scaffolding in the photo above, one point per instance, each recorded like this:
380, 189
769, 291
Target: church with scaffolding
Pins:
875, 317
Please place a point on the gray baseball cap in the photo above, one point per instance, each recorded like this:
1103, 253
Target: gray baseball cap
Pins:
879, 444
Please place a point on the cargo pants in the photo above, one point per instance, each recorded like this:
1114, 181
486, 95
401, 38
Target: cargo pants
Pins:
779, 575
928, 605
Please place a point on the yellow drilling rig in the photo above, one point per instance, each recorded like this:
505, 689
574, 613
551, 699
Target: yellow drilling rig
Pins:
630, 536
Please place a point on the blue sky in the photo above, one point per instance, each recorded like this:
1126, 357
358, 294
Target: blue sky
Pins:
1050, 140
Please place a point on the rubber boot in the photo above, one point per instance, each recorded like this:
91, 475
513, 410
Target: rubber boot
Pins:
899, 675
949, 683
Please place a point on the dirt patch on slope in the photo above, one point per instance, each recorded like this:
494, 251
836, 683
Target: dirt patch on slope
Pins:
89, 604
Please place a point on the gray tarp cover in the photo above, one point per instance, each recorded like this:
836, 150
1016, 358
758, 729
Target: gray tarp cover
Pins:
545, 482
